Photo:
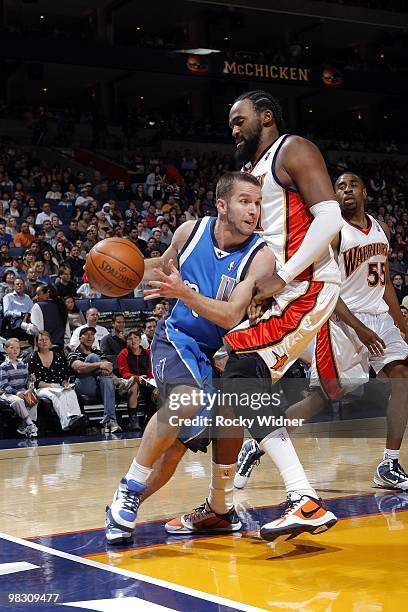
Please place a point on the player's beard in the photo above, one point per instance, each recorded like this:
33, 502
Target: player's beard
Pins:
247, 150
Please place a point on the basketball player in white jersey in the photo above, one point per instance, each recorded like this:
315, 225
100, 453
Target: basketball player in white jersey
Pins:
299, 218
368, 299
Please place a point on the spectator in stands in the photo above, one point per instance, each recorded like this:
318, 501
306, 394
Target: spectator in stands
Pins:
166, 233
134, 361
64, 285
49, 314
61, 252
139, 242
42, 278
31, 208
7, 284
149, 328
113, 343
157, 235
45, 215
400, 289
11, 227
92, 316
18, 265
31, 282
75, 316
24, 238
17, 303
151, 217
85, 291
159, 311
54, 193
83, 199
94, 376
76, 263
208, 204
14, 381
91, 238
13, 211
5, 257
143, 232
50, 264
48, 231
52, 372
398, 266
5, 238
73, 233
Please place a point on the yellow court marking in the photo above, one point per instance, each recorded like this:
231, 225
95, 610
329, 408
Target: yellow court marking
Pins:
359, 565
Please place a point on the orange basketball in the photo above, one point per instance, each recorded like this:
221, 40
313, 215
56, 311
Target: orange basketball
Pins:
114, 266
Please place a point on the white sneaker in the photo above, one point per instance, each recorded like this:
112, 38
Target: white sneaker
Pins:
31, 431
114, 426
301, 513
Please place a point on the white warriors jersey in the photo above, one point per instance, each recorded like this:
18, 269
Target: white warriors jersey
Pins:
285, 219
363, 263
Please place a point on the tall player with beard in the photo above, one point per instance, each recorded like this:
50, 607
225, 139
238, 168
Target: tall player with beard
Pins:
299, 218
368, 300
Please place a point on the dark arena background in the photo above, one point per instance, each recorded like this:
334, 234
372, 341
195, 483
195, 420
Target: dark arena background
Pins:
114, 123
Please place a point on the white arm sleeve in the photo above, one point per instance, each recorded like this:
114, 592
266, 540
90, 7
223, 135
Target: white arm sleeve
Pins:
326, 224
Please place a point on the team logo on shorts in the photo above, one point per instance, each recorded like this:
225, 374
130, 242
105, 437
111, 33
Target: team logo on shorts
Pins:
280, 361
159, 369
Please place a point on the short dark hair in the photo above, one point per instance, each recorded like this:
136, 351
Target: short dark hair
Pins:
116, 315
134, 332
227, 181
262, 100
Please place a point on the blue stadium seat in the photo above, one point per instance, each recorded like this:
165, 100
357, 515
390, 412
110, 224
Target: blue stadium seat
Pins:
106, 304
17, 251
82, 304
134, 304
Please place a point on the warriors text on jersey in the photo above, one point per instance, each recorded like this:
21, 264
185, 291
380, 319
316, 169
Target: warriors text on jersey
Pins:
363, 263
211, 272
285, 219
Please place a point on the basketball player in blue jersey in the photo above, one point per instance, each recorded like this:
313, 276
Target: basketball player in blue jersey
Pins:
219, 262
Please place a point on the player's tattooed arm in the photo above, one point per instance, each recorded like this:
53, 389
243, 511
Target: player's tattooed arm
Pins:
179, 238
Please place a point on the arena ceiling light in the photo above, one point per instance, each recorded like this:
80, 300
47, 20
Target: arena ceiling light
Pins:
199, 51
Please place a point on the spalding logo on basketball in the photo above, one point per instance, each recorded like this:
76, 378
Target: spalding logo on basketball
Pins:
114, 267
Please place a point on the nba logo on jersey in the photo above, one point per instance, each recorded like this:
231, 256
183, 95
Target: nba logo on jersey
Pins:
231, 266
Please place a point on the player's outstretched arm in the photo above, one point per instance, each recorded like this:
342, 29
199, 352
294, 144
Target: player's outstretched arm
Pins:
179, 238
225, 314
301, 166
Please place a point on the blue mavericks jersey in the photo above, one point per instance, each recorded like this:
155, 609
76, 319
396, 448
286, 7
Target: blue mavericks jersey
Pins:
211, 272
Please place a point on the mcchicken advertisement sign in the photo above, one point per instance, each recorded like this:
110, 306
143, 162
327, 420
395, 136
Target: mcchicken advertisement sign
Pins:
267, 71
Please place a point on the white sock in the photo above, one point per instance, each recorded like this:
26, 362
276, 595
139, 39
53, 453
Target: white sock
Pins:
390, 453
138, 472
278, 446
221, 497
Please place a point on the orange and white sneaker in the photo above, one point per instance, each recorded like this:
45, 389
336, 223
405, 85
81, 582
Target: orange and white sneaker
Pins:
302, 513
204, 520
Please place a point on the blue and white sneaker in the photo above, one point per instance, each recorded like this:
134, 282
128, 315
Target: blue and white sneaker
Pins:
248, 457
113, 534
122, 514
391, 475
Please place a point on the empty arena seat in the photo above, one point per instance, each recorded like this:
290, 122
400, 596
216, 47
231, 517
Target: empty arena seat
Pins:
106, 304
82, 304
17, 251
134, 304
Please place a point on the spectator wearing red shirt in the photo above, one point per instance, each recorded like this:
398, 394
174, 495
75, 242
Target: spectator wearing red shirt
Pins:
134, 361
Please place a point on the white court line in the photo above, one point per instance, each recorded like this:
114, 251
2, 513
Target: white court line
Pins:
136, 576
